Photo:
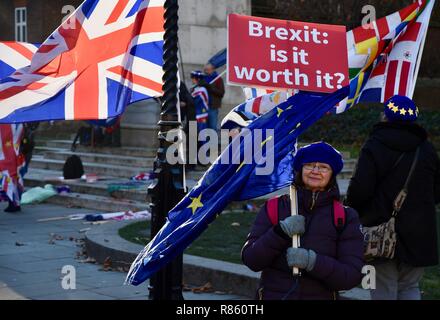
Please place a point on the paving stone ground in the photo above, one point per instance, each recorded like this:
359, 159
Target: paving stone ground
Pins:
33, 255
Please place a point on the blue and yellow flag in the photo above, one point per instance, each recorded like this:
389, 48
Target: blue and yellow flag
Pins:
223, 183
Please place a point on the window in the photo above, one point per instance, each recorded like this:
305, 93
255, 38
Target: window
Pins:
21, 24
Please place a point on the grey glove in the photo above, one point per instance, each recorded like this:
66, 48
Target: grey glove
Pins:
301, 258
293, 225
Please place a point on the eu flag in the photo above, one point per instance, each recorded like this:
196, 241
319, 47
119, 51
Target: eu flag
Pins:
224, 182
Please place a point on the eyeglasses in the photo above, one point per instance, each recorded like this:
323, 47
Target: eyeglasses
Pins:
311, 166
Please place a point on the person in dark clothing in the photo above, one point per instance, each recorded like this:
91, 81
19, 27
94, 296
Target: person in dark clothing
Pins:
329, 260
216, 90
112, 133
379, 177
28, 142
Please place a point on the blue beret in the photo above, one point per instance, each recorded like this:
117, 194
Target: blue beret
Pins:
197, 74
400, 108
319, 152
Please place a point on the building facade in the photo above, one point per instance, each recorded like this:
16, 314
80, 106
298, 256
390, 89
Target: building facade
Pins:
37, 18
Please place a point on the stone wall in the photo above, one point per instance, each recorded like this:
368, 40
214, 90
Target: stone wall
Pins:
202, 33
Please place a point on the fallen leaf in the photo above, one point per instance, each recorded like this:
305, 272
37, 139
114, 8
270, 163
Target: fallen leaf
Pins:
207, 287
107, 264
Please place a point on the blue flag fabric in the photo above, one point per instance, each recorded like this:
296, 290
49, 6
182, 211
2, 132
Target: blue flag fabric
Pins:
223, 183
219, 59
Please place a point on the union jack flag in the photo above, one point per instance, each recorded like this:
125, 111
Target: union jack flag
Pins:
106, 55
15, 55
12, 162
252, 93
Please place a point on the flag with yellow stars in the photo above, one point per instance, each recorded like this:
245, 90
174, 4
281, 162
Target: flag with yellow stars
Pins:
394, 51
225, 181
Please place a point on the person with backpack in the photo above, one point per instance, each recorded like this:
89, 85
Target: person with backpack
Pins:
398, 156
330, 256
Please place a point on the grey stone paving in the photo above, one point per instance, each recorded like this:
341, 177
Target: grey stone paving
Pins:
31, 260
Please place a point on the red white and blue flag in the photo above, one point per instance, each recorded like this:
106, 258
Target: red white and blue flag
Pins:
396, 69
12, 162
384, 59
14, 56
106, 55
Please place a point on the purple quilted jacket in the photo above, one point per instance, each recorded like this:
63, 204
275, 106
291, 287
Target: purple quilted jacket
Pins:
339, 255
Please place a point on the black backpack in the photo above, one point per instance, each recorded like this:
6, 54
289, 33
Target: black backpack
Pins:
73, 168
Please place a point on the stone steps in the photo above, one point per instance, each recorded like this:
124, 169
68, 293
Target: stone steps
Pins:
98, 203
36, 177
101, 169
128, 161
123, 151
40, 177
115, 166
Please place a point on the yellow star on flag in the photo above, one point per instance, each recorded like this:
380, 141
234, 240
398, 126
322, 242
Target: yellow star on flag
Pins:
391, 105
410, 112
280, 111
196, 203
241, 166
395, 109
8, 143
265, 141
402, 111
297, 126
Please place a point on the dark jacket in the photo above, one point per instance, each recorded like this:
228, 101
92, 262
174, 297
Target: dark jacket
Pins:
187, 105
375, 185
339, 256
216, 91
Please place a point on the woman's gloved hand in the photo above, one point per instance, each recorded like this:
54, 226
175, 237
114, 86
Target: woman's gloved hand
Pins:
301, 258
293, 225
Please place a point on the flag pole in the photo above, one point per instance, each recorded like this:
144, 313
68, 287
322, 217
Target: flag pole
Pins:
166, 190
294, 212
419, 59
219, 76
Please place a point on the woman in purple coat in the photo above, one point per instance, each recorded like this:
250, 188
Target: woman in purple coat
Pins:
330, 258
